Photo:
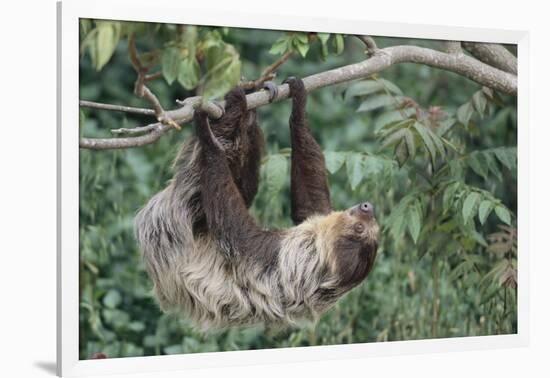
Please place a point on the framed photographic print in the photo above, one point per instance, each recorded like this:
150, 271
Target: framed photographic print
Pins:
240, 190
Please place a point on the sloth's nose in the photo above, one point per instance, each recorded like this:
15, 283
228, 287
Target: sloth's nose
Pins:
367, 208
364, 211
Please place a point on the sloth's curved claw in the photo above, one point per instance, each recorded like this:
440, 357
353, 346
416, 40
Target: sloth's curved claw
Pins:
219, 106
296, 86
204, 132
289, 80
272, 88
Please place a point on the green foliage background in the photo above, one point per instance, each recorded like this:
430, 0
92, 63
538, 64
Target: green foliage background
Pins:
432, 150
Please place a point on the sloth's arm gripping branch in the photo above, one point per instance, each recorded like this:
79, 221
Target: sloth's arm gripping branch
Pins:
226, 214
308, 183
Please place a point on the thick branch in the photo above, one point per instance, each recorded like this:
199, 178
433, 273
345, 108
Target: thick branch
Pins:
461, 64
382, 59
453, 47
494, 55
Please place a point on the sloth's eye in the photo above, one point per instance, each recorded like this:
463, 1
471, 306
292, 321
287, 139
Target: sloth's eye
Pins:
358, 228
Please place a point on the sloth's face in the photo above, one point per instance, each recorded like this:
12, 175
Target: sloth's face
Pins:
355, 245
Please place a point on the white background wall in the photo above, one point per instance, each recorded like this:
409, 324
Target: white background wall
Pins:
27, 195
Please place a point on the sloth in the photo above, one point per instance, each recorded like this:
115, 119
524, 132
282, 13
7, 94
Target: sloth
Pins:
212, 263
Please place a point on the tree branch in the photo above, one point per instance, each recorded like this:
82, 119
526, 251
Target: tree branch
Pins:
369, 43
135, 130
453, 47
116, 108
494, 55
382, 59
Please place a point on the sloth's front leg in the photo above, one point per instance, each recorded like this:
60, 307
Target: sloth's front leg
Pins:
226, 214
308, 184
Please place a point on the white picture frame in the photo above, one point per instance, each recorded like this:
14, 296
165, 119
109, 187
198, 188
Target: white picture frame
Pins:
69, 12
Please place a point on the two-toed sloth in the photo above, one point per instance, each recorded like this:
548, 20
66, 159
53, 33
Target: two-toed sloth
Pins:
208, 258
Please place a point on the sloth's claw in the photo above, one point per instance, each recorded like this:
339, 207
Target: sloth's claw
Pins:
289, 80
296, 86
204, 132
219, 106
272, 88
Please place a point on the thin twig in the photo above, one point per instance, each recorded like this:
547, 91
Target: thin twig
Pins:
135, 130
153, 76
268, 73
116, 108
372, 48
141, 89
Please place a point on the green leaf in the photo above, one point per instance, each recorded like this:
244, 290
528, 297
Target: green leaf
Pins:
480, 102
85, 26
171, 61
108, 35
375, 102
503, 214
392, 116
189, 40
401, 153
363, 88
445, 126
485, 208
469, 204
476, 161
355, 164
223, 71
211, 39
112, 299
428, 142
338, 40
464, 113
477, 237
449, 195
189, 73
302, 37
409, 140
396, 125
507, 156
334, 160
302, 48
437, 142
492, 165
396, 220
414, 216
323, 37
391, 86
280, 46
393, 138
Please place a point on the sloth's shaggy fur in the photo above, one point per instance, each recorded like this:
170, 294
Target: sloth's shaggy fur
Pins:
208, 259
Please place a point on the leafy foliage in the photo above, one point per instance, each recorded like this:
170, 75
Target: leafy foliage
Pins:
300, 42
435, 153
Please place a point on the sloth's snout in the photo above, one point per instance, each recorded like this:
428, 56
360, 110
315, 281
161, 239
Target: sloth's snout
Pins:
364, 210
367, 208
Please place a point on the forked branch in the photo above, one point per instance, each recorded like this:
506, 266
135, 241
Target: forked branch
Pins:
381, 59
